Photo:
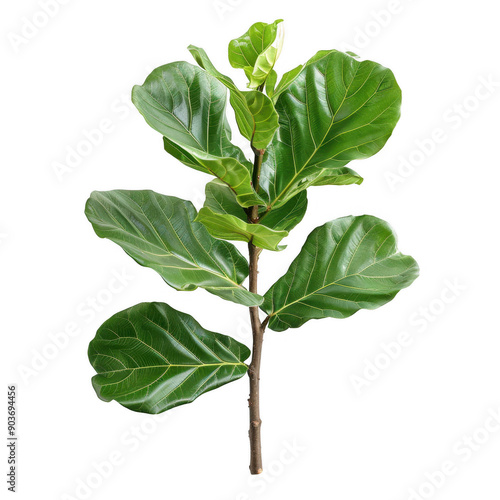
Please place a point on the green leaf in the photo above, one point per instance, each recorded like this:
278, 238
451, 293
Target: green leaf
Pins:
286, 80
160, 232
245, 50
225, 219
290, 76
255, 114
336, 110
255, 53
151, 358
287, 216
341, 176
346, 265
271, 83
228, 227
258, 75
187, 106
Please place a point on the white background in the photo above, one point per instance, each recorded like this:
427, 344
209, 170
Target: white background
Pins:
61, 79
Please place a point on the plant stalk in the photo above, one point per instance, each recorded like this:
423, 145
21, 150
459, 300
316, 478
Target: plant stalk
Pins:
254, 369
253, 212
257, 334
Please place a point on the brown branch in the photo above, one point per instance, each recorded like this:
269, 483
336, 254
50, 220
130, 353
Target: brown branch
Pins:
257, 327
253, 212
257, 332
254, 369
265, 322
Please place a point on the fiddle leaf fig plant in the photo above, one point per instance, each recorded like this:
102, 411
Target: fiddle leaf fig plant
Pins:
303, 129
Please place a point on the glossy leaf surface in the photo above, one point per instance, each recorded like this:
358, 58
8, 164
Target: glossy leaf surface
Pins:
151, 358
254, 112
336, 110
346, 265
160, 232
187, 106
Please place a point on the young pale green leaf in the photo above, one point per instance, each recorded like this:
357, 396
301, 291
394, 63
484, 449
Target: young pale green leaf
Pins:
254, 112
151, 358
258, 75
225, 219
254, 52
160, 232
187, 106
336, 110
346, 265
286, 217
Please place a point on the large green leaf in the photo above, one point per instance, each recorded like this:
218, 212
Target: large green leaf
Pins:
337, 109
160, 232
187, 106
346, 265
227, 220
151, 358
254, 52
255, 114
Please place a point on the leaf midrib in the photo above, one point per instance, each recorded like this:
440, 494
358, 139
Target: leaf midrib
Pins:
171, 366
336, 282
